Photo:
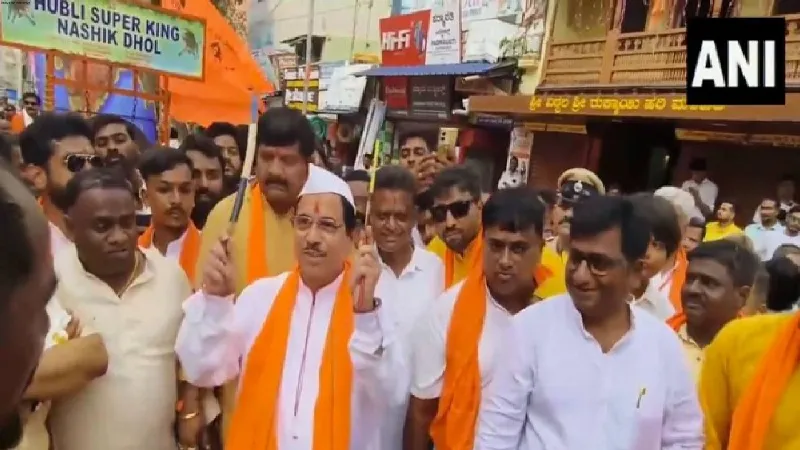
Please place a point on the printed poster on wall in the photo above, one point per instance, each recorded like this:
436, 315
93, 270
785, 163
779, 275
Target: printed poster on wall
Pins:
518, 161
444, 34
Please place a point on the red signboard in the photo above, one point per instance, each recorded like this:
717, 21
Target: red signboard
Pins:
395, 93
404, 39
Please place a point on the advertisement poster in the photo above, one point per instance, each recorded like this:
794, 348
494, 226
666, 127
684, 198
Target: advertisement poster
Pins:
118, 32
404, 39
294, 89
518, 161
444, 34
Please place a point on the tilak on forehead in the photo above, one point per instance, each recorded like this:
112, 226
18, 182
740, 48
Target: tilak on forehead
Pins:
316, 206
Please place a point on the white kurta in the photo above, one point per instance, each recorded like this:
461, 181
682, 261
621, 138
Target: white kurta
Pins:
217, 334
408, 299
555, 389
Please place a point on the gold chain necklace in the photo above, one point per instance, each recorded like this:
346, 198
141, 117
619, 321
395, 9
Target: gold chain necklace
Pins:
132, 277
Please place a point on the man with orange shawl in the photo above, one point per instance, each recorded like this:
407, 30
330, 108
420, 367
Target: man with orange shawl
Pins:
454, 347
587, 370
719, 277
750, 384
259, 245
309, 343
456, 213
671, 272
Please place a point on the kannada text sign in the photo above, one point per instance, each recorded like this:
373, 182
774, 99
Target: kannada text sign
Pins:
116, 31
579, 104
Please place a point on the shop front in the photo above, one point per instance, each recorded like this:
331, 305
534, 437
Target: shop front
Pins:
644, 140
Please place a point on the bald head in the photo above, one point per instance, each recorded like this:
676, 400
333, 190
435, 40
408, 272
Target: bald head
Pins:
27, 281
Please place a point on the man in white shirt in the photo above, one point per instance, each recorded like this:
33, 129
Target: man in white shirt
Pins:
703, 191
455, 345
763, 232
170, 195
665, 240
790, 235
670, 273
412, 278
586, 370
310, 345
784, 195
133, 299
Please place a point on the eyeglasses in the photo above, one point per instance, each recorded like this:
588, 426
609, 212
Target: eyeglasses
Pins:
456, 209
598, 264
326, 226
76, 162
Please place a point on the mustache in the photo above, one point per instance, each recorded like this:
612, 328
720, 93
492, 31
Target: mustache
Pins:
313, 248
278, 181
175, 209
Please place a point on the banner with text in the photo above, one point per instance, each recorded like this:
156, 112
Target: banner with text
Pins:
109, 30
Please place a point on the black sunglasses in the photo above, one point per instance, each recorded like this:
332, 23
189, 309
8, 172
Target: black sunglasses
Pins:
457, 210
75, 162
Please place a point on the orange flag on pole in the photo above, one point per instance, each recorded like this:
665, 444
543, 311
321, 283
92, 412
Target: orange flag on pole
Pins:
232, 76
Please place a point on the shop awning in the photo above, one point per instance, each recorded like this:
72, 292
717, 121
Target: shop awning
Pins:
232, 76
459, 70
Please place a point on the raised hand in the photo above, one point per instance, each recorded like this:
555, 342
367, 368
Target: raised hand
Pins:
218, 273
365, 274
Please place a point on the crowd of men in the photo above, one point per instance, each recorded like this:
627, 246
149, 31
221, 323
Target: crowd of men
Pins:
412, 312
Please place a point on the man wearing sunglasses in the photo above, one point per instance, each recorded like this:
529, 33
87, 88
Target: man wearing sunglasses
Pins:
54, 148
456, 213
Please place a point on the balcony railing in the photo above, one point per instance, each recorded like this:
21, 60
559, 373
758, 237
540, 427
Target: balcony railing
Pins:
639, 59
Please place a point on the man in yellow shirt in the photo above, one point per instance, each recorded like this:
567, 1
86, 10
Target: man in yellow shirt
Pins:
750, 384
456, 213
719, 277
724, 225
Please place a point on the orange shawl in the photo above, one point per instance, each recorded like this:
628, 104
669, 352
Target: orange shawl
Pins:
453, 428
189, 252
255, 419
753, 414
473, 253
678, 279
257, 237
677, 321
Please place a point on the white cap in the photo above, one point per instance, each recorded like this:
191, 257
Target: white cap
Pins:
682, 200
320, 181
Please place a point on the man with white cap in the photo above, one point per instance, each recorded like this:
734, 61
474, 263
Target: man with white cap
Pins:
309, 343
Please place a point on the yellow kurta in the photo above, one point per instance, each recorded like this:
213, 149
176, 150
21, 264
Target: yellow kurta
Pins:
715, 232
554, 285
279, 253
461, 263
729, 364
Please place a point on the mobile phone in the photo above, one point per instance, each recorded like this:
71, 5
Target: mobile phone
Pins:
448, 137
